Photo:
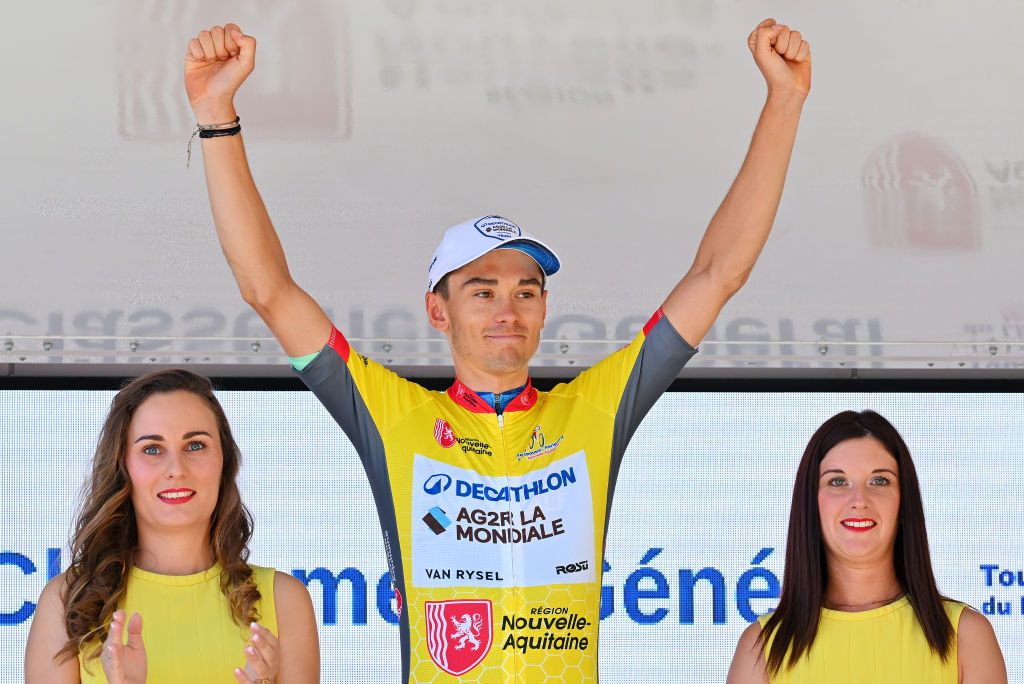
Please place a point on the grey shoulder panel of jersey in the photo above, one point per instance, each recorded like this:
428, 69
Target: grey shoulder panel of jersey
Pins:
329, 379
663, 355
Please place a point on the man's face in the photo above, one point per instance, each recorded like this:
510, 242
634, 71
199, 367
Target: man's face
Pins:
494, 313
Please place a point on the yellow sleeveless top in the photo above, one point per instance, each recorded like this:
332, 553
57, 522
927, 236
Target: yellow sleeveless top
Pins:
881, 646
187, 626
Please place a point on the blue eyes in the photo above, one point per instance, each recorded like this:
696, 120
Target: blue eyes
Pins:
156, 450
876, 481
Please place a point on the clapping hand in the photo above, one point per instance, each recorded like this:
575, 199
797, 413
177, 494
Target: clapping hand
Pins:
124, 663
262, 657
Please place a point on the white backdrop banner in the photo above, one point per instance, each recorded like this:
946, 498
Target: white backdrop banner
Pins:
610, 130
696, 540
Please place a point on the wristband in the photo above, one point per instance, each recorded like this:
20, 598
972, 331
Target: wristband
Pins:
215, 127
219, 132
212, 131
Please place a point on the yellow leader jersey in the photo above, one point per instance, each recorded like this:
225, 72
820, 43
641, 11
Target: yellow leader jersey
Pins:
881, 646
187, 626
494, 524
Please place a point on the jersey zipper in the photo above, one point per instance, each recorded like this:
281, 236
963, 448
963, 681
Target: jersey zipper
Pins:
512, 551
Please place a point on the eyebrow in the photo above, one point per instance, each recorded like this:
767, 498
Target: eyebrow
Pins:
843, 472
480, 281
494, 281
187, 435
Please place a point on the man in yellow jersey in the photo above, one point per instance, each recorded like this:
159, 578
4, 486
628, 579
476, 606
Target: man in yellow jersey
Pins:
492, 496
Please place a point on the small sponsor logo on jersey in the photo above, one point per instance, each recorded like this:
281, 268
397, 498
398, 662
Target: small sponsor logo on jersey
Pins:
553, 629
539, 445
481, 526
552, 481
498, 228
398, 600
437, 520
437, 483
537, 438
459, 634
461, 575
443, 433
571, 568
527, 398
472, 445
471, 398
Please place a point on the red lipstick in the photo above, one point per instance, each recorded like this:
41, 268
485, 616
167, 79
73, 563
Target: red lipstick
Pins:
176, 496
858, 524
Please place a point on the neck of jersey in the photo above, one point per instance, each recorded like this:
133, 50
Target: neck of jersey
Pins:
499, 400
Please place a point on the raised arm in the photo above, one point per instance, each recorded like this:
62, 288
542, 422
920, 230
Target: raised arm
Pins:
740, 227
217, 62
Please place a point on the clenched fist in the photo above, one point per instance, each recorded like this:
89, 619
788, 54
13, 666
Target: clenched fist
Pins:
783, 56
217, 62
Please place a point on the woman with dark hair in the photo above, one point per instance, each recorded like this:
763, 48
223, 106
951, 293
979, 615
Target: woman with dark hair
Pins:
859, 601
163, 535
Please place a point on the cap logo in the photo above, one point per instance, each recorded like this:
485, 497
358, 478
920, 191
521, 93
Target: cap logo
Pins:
499, 228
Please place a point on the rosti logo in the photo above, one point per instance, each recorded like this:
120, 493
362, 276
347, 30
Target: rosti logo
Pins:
498, 228
571, 568
443, 433
438, 483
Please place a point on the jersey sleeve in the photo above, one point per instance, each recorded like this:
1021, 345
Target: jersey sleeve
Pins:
363, 397
367, 400
627, 383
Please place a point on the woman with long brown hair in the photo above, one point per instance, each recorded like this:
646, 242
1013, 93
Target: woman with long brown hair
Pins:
163, 536
859, 600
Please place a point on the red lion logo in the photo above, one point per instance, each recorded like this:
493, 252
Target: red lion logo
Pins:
459, 634
443, 433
